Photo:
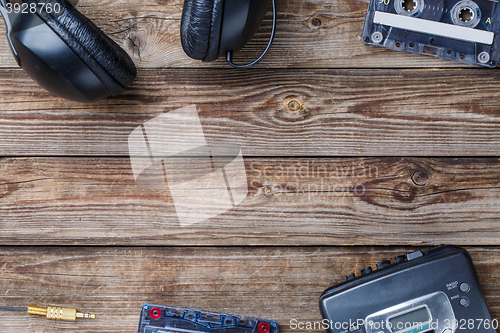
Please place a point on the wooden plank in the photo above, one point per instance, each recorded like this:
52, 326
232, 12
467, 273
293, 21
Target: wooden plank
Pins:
310, 33
338, 112
341, 201
276, 283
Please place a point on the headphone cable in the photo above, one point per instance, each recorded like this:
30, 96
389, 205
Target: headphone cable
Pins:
8, 308
229, 54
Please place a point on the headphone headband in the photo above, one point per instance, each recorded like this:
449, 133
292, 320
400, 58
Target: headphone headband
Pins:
8, 24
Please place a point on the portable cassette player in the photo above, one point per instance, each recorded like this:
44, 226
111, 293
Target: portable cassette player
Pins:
435, 290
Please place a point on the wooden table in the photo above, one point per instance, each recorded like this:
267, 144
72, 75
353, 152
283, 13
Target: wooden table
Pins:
420, 136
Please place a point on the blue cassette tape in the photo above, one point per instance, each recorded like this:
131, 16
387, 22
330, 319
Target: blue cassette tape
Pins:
466, 31
168, 319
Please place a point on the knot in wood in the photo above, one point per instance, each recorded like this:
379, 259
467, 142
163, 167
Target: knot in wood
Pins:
316, 22
268, 191
420, 178
294, 105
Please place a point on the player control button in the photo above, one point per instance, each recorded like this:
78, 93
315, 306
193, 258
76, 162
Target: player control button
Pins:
383, 264
464, 287
414, 255
350, 277
366, 270
464, 301
400, 258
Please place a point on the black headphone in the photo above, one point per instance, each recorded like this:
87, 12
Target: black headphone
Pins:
64, 51
213, 28
68, 55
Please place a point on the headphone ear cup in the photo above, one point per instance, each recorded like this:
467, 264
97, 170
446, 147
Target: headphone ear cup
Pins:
201, 26
110, 63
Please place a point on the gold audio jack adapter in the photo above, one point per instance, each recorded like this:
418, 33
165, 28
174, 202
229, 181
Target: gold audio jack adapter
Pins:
59, 313
53, 312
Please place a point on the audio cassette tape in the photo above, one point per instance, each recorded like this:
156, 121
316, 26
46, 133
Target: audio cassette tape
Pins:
169, 319
466, 31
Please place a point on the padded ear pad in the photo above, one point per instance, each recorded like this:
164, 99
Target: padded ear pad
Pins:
104, 57
201, 26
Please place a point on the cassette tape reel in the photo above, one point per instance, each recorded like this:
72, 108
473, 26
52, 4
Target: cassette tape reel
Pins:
466, 31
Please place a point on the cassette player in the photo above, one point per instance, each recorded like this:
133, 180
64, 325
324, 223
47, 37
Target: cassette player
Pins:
435, 290
168, 319
466, 31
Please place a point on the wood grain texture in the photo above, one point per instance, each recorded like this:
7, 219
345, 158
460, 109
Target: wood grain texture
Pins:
274, 283
66, 179
310, 34
340, 112
363, 201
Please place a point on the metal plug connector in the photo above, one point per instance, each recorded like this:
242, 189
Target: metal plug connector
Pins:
59, 313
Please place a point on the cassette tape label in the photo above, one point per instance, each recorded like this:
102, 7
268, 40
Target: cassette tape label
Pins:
460, 30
